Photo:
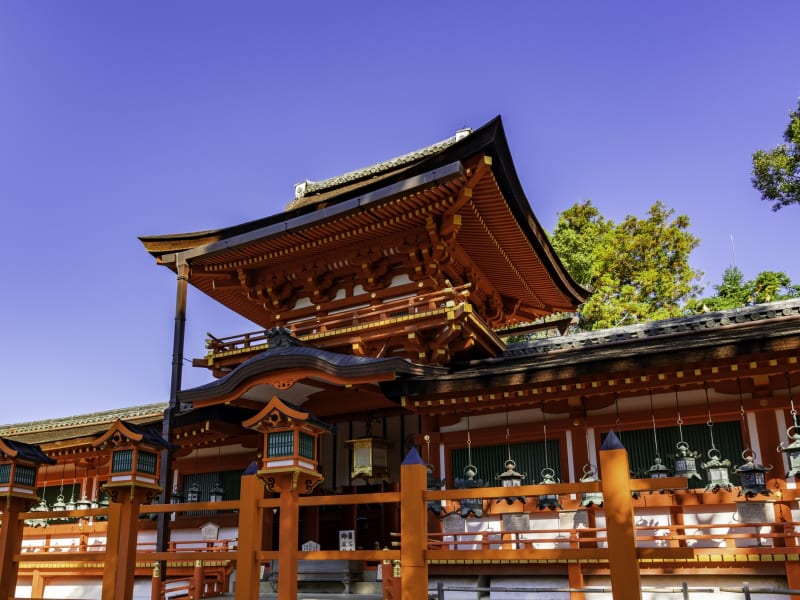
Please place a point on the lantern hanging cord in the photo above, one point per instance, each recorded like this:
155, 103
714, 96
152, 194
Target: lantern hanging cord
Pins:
508, 437
618, 422
710, 423
679, 421
745, 430
588, 440
791, 400
428, 447
469, 444
653, 417
544, 429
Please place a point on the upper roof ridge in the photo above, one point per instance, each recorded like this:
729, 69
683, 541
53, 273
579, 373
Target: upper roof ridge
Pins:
307, 188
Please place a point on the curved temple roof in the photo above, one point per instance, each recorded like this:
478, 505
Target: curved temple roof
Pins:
500, 233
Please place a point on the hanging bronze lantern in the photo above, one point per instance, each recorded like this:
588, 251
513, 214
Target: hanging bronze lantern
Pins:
753, 476
590, 498
548, 475
548, 500
193, 492
511, 478
792, 450
658, 470
470, 481
685, 461
717, 472
370, 459
217, 493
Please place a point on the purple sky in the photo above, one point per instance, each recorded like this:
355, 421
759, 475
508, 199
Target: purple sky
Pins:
123, 119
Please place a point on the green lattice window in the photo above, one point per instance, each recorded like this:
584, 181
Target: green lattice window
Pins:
280, 443
146, 463
306, 445
25, 475
122, 461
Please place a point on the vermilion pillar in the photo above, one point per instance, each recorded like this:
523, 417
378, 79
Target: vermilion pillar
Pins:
413, 528
19, 465
10, 545
623, 563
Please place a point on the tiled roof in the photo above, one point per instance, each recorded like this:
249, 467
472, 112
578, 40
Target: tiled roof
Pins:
147, 411
305, 191
655, 329
298, 355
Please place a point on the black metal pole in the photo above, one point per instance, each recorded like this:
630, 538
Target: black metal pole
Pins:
165, 480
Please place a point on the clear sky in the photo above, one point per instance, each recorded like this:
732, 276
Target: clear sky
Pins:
129, 118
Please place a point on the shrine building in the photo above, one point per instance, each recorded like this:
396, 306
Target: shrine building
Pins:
415, 312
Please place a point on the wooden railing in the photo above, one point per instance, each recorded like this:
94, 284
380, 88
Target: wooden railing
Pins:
767, 541
313, 325
758, 535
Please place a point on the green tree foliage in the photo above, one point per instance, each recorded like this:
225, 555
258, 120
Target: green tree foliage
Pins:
776, 173
735, 291
638, 269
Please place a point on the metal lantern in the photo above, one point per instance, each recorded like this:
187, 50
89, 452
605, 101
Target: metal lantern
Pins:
658, 470
753, 475
41, 507
792, 451
84, 503
193, 492
717, 472
548, 500
71, 505
59, 504
590, 498
433, 483
103, 503
370, 459
289, 446
135, 464
175, 497
470, 481
511, 478
685, 461
19, 465
217, 493
548, 475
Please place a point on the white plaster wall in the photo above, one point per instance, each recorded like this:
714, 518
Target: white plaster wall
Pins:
524, 588
705, 520
668, 587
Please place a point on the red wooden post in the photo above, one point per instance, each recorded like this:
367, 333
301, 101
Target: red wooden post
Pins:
623, 562
156, 583
250, 538
133, 481
289, 470
10, 545
198, 582
122, 533
413, 528
575, 575
288, 536
19, 464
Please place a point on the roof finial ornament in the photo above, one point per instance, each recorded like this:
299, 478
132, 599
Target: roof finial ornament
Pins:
280, 337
